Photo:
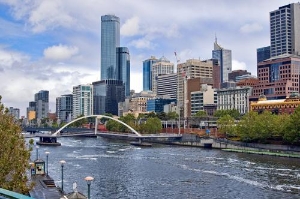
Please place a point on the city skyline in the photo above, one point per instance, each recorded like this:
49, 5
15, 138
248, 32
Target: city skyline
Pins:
50, 45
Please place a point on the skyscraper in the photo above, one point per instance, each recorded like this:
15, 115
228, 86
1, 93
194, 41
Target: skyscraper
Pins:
285, 30
225, 61
106, 96
110, 40
147, 71
123, 68
162, 66
42, 104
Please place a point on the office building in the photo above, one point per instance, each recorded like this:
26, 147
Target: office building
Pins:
225, 61
192, 68
278, 77
162, 66
206, 95
157, 105
64, 107
234, 98
82, 100
167, 85
235, 73
263, 53
147, 72
123, 68
285, 30
110, 40
106, 96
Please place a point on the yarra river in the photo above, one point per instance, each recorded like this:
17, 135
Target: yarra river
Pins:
124, 171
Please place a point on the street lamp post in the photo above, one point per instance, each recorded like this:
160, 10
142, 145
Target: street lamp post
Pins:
62, 162
89, 180
37, 152
47, 154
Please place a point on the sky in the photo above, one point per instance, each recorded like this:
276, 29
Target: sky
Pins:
55, 44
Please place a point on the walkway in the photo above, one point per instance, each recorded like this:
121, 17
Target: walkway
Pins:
44, 188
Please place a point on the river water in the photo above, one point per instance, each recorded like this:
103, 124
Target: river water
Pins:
124, 171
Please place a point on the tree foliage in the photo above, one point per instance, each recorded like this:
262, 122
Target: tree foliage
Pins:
152, 125
232, 112
14, 155
200, 114
264, 126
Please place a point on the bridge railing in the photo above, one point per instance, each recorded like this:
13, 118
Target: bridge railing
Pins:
13, 195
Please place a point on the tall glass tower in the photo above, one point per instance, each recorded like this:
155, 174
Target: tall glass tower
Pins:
285, 30
224, 58
110, 40
123, 68
147, 73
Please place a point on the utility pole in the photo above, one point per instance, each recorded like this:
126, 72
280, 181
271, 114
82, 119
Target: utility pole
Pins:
178, 104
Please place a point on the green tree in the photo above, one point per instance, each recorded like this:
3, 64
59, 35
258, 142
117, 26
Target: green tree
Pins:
14, 155
226, 125
128, 119
172, 115
162, 116
103, 119
200, 114
79, 123
112, 125
246, 128
152, 125
232, 112
292, 132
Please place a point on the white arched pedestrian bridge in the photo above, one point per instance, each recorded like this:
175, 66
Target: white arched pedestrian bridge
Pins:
96, 122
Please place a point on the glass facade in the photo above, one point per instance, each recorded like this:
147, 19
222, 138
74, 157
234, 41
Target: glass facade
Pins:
123, 68
157, 105
106, 96
147, 73
110, 40
225, 60
263, 53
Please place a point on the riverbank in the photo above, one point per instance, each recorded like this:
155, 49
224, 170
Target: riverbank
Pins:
193, 140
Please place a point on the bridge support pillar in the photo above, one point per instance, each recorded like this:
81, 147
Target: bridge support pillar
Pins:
96, 125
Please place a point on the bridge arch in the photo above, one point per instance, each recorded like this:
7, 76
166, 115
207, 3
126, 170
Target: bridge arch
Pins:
97, 117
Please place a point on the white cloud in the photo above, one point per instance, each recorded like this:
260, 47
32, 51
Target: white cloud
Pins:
250, 28
60, 52
9, 58
142, 43
130, 27
237, 65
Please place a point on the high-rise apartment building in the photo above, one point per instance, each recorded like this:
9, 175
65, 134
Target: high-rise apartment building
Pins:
64, 107
162, 66
42, 104
110, 40
82, 100
285, 30
123, 68
225, 61
106, 96
147, 71
15, 112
